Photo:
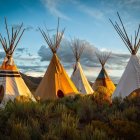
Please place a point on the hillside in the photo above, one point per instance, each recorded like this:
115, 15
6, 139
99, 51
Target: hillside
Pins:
31, 82
77, 118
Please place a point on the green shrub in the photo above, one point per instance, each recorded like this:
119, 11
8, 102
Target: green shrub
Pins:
49, 137
86, 108
103, 94
60, 108
117, 115
131, 113
92, 133
19, 131
80, 117
70, 102
126, 129
34, 129
68, 129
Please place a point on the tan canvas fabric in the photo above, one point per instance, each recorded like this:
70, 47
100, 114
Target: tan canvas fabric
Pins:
13, 84
6, 66
130, 79
79, 79
104, 80
55, 80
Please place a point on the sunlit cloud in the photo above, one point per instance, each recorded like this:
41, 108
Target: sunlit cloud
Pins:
90, 11
87, 20
115, 65
53, 6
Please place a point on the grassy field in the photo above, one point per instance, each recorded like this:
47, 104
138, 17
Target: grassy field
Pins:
71, 118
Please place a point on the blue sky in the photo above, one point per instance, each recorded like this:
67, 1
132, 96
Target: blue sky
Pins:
87, 20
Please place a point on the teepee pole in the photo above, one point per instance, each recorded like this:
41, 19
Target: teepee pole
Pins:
103, 57
59, 39
125, 31
2, 42
18, 40
136, 36
7, 31
121, 34
132, 46
53, 43
77, 48
57, 32
5, 43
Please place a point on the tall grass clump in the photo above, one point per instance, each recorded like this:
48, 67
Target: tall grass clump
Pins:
82, 117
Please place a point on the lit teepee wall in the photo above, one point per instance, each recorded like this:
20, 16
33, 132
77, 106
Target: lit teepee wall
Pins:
55, 83
11, 82
103, 79
130, 79
78, 77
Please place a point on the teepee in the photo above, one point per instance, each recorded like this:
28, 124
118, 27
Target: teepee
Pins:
103, 79
78, 77
55, 83
130, 80
11, 82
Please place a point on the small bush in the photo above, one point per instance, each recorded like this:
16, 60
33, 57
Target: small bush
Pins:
84, 117
19, 131
86, 108
103, 94
91, 133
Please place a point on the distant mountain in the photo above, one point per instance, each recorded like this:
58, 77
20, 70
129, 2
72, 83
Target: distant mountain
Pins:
31, 82
91, 83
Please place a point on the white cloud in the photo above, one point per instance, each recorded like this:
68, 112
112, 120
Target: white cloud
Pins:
35, 74
131, 3
90, 11
53, 7
105, 50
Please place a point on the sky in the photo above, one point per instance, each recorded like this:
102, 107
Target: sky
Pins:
87, 20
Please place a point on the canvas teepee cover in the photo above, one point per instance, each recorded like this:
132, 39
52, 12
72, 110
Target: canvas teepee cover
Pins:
55, 82
103, 79
130, 80
78, 77
11, 82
